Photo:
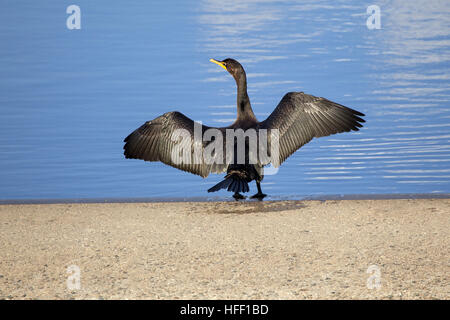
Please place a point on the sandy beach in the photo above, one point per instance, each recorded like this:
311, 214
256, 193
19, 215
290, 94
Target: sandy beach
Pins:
227, 250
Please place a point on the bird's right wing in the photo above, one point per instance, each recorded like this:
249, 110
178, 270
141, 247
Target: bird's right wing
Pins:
164, 139
300, 117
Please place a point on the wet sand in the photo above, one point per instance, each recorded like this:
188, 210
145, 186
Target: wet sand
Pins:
227, 250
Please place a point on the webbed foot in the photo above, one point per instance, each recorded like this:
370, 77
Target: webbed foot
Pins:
237, 196
258, 196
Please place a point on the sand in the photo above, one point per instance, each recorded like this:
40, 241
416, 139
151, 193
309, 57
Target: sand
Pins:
227, 250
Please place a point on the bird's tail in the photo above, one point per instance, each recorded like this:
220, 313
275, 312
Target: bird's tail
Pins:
231, 183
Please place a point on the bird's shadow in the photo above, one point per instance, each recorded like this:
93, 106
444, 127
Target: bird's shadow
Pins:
250, 207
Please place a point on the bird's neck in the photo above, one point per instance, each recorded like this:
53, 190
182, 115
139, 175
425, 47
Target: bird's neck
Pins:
244, 108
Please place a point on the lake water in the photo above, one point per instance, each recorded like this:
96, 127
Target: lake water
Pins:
69, 97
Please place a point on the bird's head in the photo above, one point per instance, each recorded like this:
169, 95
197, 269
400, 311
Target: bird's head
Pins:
231, 65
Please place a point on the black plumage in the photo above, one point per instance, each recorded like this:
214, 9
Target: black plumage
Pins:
299, 118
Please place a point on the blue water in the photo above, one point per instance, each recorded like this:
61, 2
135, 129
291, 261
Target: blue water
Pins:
69, 97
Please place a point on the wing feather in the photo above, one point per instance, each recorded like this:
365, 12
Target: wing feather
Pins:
300, 117
153, 141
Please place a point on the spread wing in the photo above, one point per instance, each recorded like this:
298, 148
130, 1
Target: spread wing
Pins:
166, 138
300, 117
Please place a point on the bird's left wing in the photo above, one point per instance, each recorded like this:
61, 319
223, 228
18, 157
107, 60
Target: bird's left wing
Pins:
170, 139
300, 117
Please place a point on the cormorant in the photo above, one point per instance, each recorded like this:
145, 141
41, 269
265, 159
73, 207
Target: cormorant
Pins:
298, 119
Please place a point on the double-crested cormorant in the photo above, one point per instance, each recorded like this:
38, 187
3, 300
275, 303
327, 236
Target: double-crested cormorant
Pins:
296, 120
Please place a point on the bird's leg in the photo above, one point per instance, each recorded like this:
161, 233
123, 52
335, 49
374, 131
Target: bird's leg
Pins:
259, 195
237, 196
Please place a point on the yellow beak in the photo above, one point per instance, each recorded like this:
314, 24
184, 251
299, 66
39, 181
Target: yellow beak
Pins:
219, 63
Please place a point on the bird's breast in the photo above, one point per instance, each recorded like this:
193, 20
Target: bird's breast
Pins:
244, 124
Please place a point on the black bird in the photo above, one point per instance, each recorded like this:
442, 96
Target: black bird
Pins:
298, 118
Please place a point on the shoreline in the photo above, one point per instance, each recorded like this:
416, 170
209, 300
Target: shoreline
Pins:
381, 196
227, 250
